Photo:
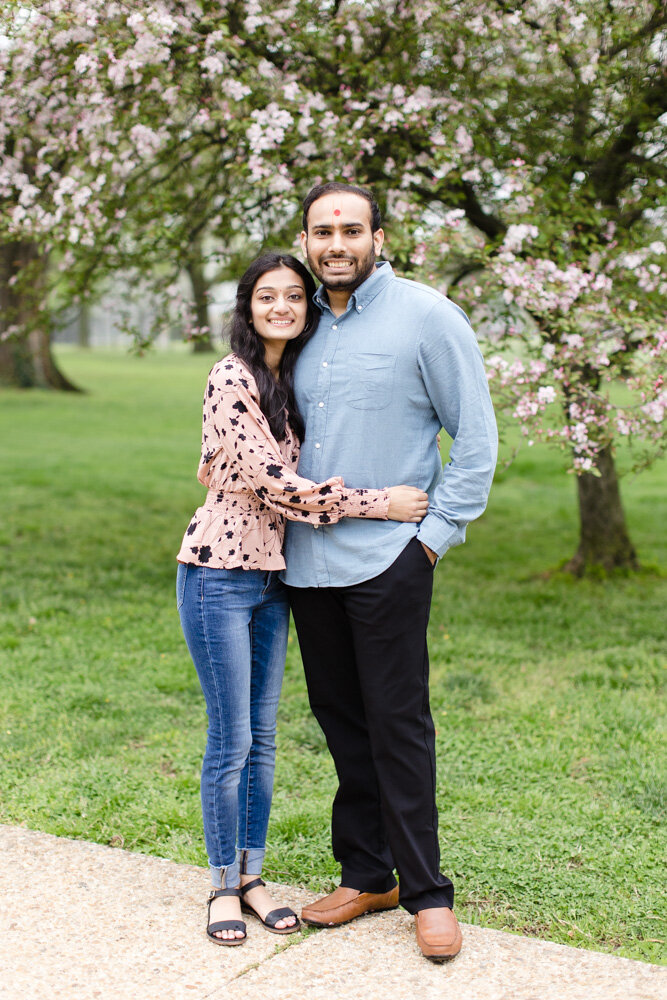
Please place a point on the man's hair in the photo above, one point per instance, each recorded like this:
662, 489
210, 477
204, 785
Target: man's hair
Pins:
337, 186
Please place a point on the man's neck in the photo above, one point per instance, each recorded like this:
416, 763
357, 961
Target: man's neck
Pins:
339, 298
338, 301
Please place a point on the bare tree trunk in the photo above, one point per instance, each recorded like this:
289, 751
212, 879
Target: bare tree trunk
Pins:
195, 268
83, 326
26, 359
604, 542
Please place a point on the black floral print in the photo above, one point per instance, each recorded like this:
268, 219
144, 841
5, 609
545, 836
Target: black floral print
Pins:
252, 485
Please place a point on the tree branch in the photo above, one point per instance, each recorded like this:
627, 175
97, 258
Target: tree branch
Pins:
490, 225
658, 19
507, 8
609, 175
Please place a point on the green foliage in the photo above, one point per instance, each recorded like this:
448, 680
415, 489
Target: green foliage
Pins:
545, 691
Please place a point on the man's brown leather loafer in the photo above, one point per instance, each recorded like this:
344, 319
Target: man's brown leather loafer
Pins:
344, 904
438, 933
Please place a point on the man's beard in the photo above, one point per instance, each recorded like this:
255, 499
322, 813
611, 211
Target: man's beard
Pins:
360, 271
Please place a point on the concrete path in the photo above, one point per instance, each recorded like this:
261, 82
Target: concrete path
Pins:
80, 921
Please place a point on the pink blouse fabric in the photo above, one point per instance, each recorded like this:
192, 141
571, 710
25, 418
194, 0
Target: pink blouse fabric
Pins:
252, 486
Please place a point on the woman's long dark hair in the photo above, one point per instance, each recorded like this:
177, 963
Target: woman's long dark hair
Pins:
274, 396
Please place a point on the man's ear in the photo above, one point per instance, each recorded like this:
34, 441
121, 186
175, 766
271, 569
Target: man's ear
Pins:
304, 240
378, 240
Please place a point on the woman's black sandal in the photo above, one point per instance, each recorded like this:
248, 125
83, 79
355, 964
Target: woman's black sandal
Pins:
224, 925
272, 918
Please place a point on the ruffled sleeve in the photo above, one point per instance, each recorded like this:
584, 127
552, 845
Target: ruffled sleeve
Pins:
235, 424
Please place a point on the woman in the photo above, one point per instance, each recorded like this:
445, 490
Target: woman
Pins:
232, 605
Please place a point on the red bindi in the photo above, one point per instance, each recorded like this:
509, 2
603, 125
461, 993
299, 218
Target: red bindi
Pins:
336, 211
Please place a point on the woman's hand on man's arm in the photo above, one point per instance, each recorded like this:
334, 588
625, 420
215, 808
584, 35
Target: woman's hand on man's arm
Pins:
407, 503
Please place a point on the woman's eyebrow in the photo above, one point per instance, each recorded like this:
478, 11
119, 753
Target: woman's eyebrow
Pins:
270, 288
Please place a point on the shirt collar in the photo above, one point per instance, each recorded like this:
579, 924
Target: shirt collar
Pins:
365, 293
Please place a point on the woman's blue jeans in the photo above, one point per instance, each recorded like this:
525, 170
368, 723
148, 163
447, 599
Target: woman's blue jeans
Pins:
235, 623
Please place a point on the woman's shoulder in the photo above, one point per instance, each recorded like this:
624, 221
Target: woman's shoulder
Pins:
230, 373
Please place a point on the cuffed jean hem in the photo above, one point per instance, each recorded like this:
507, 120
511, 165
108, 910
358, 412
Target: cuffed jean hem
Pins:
250, 860
225, 878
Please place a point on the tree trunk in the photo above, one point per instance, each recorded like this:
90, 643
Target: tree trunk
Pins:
195, 268
604, 543
83, 326
25, 357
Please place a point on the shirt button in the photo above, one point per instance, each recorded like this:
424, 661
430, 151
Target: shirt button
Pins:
320, 404
359, 308
325, 364
334, 327
317, 444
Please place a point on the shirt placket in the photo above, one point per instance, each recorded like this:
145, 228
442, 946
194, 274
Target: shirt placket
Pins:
326, 367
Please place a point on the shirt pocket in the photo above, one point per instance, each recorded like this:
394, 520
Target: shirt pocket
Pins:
371, 381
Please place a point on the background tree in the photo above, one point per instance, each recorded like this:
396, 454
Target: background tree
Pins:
526, 157
117, 155
25, 324
517, 148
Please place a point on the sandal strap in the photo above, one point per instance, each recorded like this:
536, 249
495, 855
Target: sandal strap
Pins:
226, 925
224, 892
272, 918
251, 885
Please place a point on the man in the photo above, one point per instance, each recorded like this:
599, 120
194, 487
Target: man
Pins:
390, 363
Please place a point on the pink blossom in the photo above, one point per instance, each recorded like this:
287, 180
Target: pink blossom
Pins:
463, 140
517, 234
546, 394
655, 408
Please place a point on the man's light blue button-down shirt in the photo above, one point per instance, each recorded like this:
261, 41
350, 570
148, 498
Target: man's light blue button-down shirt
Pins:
374, 386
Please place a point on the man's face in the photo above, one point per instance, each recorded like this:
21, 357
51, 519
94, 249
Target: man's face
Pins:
339, 244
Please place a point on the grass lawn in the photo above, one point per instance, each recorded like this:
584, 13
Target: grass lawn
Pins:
546, 691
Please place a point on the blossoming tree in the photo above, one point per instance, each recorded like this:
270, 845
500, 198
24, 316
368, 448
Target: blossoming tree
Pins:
564, 262
517, 147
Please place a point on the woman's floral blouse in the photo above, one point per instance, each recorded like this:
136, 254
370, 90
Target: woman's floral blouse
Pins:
252, 486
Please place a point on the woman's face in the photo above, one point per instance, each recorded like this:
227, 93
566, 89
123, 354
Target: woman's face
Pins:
278, 306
